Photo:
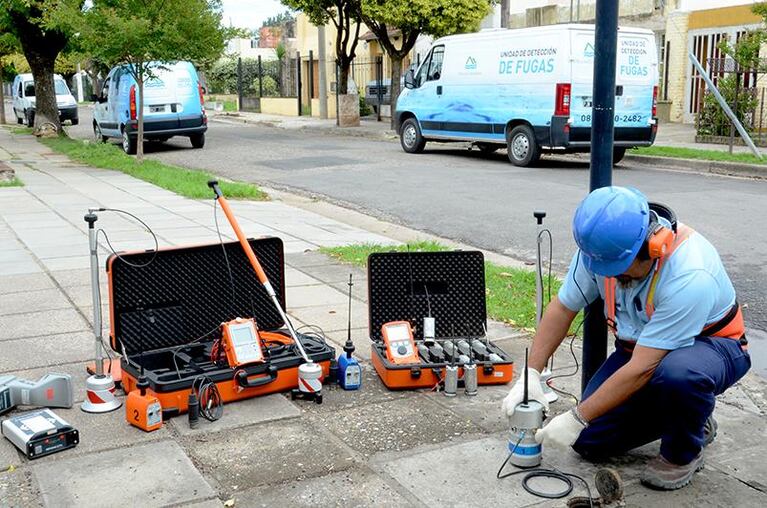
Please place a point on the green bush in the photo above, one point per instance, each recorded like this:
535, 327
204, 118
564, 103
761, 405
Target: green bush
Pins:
712, 120
270, 87
222, 77
365, 109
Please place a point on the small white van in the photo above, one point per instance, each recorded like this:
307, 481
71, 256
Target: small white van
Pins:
23, 92
528, 90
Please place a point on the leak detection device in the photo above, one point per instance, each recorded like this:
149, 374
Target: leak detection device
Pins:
242, 343
524, 450
52, 390
400, 346
349, 369
39, 433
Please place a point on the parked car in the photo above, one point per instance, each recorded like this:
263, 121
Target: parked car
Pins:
173, 106
529, 90
23, 93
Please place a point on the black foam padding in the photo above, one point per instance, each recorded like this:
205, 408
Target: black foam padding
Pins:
455, 281
186, 292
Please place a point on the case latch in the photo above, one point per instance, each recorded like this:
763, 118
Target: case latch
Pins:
415, 372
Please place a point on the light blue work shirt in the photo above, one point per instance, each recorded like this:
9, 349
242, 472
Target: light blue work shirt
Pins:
693, 291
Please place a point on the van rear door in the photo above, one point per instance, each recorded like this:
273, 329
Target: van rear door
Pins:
636, 76
161, 103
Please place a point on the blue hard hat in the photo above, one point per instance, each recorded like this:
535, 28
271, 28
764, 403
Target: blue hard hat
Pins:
610, 226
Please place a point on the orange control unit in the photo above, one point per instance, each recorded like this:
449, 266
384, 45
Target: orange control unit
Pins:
400, 345
242, 343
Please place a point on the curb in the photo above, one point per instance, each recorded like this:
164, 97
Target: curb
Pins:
700, 166
385, 135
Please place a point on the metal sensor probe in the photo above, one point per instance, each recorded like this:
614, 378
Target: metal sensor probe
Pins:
527, 418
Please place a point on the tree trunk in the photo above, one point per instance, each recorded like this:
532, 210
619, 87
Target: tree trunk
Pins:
140, 139
343, 76
396, 73
46, 111
40, 47
2, 101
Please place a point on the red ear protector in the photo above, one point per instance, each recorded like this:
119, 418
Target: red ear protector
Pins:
659, 237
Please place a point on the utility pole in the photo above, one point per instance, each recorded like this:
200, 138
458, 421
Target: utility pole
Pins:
323, 81
505, 6
602, 136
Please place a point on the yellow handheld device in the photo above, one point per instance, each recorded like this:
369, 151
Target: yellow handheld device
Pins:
400, 346
241, 342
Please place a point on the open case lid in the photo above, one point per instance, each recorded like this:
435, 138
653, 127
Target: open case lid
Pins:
186, 293
398, 283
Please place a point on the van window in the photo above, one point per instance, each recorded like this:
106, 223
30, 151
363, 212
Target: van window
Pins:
61, 87
29, 89
435, 65
420, 78
20, 85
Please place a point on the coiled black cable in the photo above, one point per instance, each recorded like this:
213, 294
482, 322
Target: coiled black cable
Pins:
211, 403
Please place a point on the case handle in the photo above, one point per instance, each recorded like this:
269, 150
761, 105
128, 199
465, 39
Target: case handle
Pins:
242, 378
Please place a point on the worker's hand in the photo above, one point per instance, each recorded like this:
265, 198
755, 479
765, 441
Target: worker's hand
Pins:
562, 430
517, 393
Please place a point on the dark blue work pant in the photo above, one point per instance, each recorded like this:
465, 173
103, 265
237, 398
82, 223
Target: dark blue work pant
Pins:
672, 407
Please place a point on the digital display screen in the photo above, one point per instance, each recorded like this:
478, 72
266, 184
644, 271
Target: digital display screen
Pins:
242, 335
398, 332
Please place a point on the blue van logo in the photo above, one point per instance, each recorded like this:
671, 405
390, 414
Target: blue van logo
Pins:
588, 51
471, 64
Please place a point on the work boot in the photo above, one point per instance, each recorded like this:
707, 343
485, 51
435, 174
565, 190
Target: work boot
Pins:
662, 474
709, 430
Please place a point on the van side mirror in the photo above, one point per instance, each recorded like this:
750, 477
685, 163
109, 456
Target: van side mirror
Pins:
409, 79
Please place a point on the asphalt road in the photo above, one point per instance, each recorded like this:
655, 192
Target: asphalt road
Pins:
480, 200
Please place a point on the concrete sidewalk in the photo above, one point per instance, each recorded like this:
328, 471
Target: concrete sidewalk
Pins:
372, 447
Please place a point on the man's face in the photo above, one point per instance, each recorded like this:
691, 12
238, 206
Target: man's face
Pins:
638, 270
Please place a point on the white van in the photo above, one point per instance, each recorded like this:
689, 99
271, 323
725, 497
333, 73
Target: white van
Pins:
24, 100
528, 90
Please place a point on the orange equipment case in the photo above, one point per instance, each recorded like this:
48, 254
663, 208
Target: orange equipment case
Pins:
166, 315
449, 286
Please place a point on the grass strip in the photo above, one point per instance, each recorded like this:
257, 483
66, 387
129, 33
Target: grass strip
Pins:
13, 182
185, 182
694, 153
510, 292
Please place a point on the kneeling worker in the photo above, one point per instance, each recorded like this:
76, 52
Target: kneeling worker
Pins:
679, 337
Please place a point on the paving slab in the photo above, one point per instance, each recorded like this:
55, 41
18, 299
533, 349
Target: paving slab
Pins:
104, 431
18, 488
483, 409
306, 259
9, 457
332, 317
147, 475
78, 277
396, 425
294, 277
269, 453
356, 487
453, 475
333, 271
360, 337
42, 300
66, 263
36, 324
34, 352
708, 488
335, 398
20, 267
241, 414
313, 296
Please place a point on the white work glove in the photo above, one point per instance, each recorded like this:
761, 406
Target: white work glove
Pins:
517, 392
562, 430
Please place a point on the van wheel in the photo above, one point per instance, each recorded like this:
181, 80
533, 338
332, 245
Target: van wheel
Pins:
30, 118
618, 154
523, 149
97, 135
410, 137
487, 148
19, 120
129, 144
198, 140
